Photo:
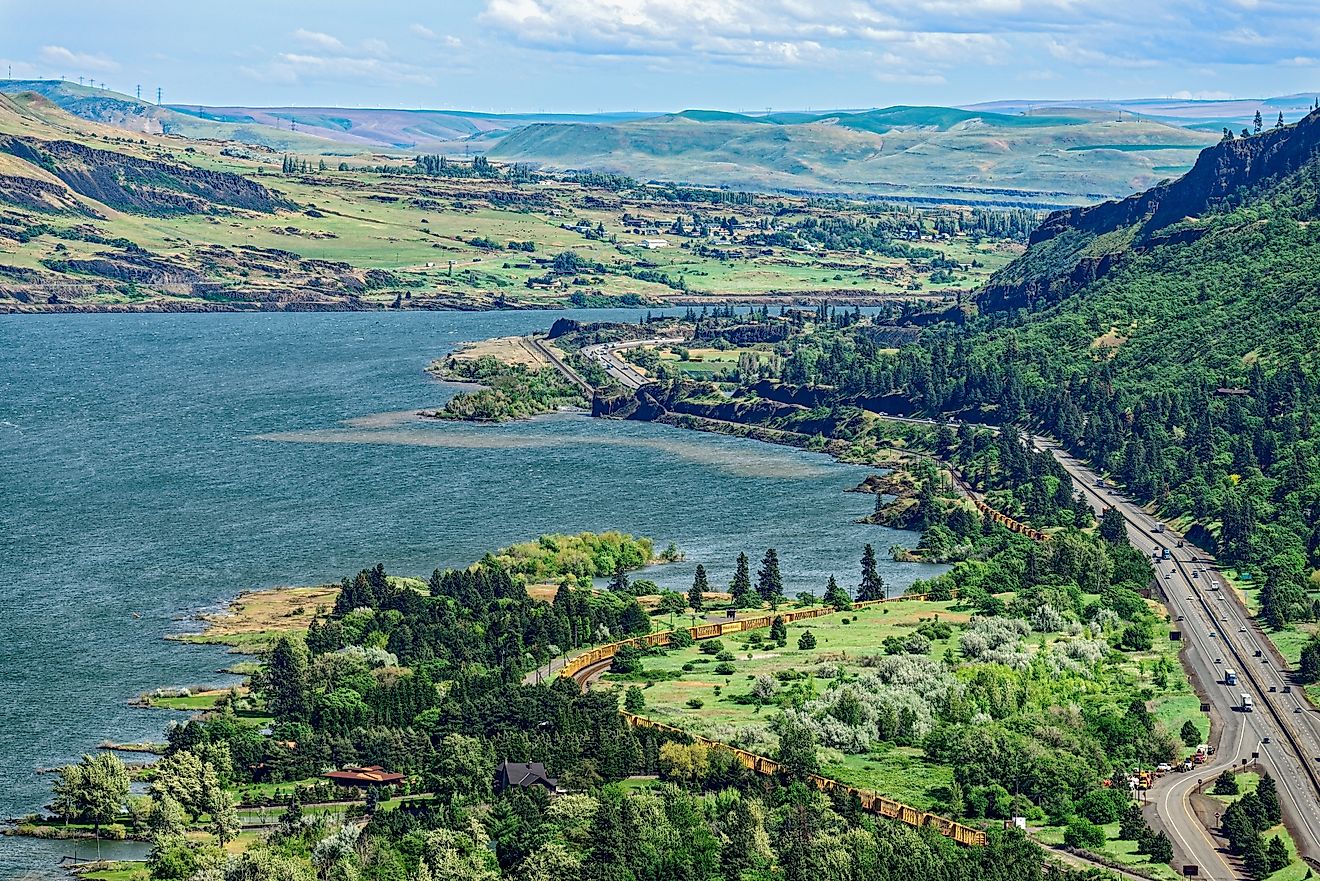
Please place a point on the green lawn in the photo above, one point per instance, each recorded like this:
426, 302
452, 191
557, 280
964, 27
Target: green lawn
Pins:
1122, 852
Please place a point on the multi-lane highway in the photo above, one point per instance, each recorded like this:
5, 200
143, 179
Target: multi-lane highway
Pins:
1281, 731
606, 355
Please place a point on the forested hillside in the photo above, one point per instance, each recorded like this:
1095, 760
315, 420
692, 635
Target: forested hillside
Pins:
1172, 339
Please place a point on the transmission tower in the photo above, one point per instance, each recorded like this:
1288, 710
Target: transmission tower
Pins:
139, 91
157, 96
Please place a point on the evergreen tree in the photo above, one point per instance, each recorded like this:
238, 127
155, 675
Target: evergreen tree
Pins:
836, 596
1113, 528
633, 700
1132, 825
286, 681
1159, 848
699, 587
769, 584
1255, 861
1276, 854
1308, 670
1257, 124
1267, 794
741, 586
872, 586
1226, 784
779, 630
1190, 734
807, 641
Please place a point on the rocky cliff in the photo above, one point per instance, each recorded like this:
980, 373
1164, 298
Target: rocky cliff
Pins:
1073, 248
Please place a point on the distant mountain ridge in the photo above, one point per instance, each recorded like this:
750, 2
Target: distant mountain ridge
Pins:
1023, 153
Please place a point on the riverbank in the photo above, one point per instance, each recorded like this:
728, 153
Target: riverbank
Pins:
255, 619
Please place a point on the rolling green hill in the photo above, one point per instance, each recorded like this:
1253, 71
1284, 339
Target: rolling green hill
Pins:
922, 153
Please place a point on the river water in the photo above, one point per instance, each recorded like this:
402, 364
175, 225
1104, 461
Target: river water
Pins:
152, 466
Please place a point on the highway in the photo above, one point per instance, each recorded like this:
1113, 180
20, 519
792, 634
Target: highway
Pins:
606, 355
1219, 635
1281, 732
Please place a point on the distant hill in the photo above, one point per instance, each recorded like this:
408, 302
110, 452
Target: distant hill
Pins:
1015, 152
922, 153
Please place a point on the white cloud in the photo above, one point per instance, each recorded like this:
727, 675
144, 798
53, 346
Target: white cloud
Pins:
926, 37
422, 31
318, 39
77, 60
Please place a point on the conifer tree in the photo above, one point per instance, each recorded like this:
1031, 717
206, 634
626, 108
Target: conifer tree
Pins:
872, 586
769, 584
699, 587
741, 586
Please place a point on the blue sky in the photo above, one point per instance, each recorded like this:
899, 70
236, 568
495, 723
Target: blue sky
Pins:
588, 55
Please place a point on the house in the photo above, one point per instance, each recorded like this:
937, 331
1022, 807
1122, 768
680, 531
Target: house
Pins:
365, 777
524, 775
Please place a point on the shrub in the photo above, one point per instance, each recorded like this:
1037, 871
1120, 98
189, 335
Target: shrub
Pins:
695, 703
712, 647
725, 655
1082, 833
1102, 805
681, 639
689, 667
725, 669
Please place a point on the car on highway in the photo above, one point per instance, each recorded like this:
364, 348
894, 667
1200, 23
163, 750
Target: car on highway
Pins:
1297, 709
1190, 597
1242, 630
1265, 739
1212, 634
1217, 660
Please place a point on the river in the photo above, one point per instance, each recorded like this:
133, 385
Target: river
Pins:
153, 466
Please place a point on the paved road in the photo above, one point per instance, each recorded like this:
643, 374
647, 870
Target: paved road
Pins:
606, 354
1282, 732
1219, 635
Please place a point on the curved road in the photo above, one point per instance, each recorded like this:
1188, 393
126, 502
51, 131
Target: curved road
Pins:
1220, 635
1281, 732
606, 355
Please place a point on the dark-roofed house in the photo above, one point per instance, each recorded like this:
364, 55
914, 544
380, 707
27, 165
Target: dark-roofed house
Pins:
524, 774
366, 777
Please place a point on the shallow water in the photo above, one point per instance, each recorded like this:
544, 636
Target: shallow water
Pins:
153, 466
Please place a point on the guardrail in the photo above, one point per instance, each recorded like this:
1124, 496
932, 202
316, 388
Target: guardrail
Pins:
876, 804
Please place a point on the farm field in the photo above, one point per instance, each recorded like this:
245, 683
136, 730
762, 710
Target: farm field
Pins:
372, 231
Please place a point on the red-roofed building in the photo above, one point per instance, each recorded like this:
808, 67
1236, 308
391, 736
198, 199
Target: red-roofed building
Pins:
365, 778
